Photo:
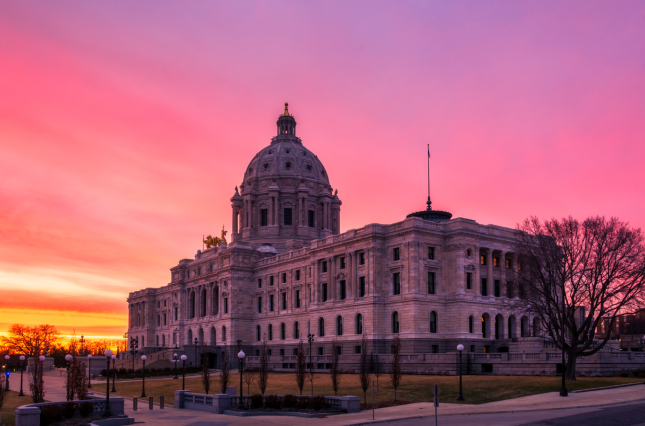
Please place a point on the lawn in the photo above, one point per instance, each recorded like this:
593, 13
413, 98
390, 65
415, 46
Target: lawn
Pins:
11, 402
416, 388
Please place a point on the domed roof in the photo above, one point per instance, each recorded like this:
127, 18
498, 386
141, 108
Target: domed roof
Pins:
286, 156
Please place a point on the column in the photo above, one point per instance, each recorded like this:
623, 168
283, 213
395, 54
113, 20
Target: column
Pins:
276, 218
477, 282
316, 281
502, 274
350, 274
270, 212
250, 218
234, 223
368, 271
332, 277
490, 281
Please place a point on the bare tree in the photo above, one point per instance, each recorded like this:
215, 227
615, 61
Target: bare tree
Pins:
377, 369
77, 380
395, 364
575, 275
36, 383
3, 392
263, 376
250, 377
225, 371
206, 374
301, 366
29, 341
364, 371
334, 371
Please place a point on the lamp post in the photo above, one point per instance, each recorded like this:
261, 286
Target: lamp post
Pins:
134, 343
143, 373
563, 389
174, 360
196, 359
7, 373
183, 372
113, 372
310, 337
460, 348
107, 412
240, 356
82, 342
22, 363
68, 358
89, 371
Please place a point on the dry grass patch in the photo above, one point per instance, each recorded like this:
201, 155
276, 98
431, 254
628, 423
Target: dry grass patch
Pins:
11, 402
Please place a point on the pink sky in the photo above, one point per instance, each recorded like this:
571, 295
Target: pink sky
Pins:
125, 126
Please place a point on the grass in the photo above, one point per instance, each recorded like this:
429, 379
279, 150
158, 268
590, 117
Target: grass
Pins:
416, 388
11, 402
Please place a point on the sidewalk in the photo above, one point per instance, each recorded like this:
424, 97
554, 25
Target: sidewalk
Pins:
170, 416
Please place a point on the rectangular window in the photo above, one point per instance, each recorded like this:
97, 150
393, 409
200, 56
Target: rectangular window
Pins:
257, 352
361, 286
498, 291
361, 258
324, 266
435, 349
264, 217
343, 289
284, 300
164, 303
226, 305
164, 319
321, 350
284, 277
342, 263
396, 254
469, 280
271, 280
484, 287
176, 313
297, 274
496, 262
339, 350
311, 219
397, 283
297, 298
324, 292
271, 303
260, 304
281, 352
357, 349
482, 260
431, 253
259, 282
472, 348
431, 283
508, 263
295, 351
288, 218
269, 351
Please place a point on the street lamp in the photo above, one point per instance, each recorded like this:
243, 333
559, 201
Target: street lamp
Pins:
143, 371
183, 372
134, 343
82, 342
174, 360
22, 363
89, 371
7, 373
563, 389
113, 372
240, 356
460, 348
68, 358
196, 359
310, 337
107, 412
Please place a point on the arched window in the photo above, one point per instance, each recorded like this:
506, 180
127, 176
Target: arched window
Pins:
163, 340
143, 342
359, 324
157, 340
433, 322
321, 327
191, 304
485, 325
523, 327
213, 336
283, 331
511, 327
258, 335
339, 326
158, 320
201, 336
223, 333
203, 303
216, 300
499, 327
470, 324
395, 322
270, 332
190, 337
536, 327
296, 330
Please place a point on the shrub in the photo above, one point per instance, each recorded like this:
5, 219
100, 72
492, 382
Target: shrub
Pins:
68, 409
289, 401
272, 401
318, 402
104, 372
86, 409
624, 374
122, 371
167, 369
303, 402
50, 414
256, 401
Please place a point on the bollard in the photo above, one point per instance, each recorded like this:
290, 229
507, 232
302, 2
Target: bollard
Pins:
151, 402
161, 402
134, 403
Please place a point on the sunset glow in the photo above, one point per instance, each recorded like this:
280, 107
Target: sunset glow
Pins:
125, 127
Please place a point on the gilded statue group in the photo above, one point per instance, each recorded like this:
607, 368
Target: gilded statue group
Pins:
215, 241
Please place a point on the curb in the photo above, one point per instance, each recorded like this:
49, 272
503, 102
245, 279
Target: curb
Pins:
609, 387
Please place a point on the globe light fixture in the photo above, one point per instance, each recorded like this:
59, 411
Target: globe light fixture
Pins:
143, 374
68, 358
22, 359
460, 348
240, 356
183, 372
174, 361
107, 411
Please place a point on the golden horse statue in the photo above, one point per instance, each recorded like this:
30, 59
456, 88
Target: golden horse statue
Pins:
216, 241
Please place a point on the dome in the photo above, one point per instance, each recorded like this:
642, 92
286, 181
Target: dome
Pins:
267, 248
431, 215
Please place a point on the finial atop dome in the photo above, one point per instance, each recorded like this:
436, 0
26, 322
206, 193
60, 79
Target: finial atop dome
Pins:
286, 110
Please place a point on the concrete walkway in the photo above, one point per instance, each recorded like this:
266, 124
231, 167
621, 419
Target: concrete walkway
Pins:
170, 416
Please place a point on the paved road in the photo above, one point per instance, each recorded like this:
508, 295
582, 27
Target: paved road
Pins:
620, 415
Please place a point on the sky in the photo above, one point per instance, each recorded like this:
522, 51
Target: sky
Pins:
125, 126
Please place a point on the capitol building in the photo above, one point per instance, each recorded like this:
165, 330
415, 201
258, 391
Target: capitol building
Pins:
288, 272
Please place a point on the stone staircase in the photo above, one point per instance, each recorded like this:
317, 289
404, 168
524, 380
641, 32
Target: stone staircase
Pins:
159, 359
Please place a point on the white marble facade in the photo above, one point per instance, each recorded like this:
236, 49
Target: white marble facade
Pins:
288, 272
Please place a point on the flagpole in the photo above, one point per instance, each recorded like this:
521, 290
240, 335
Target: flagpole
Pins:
428, 172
